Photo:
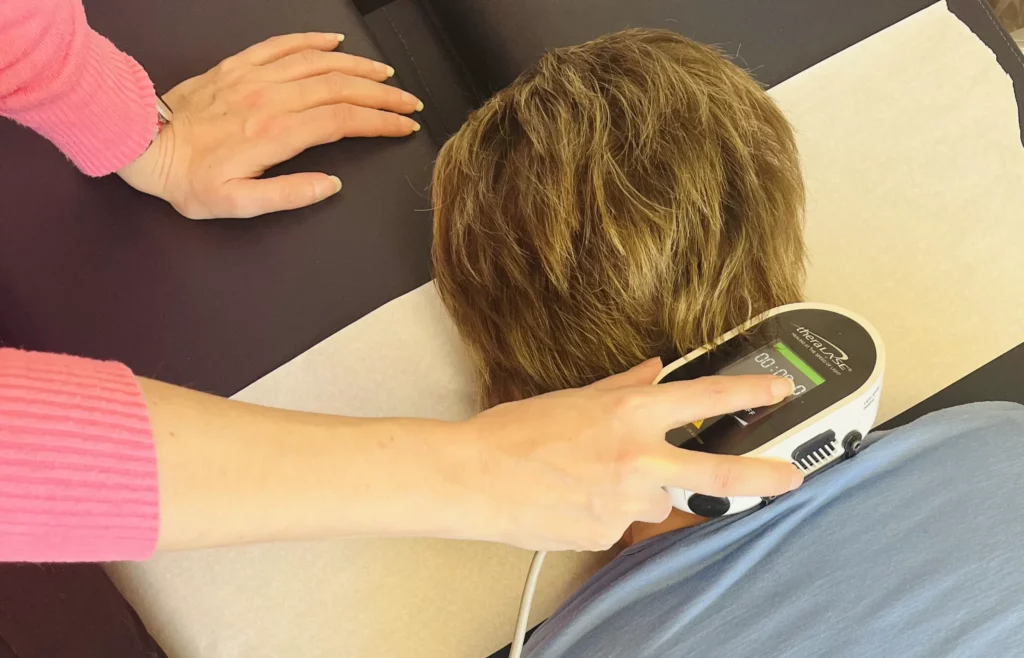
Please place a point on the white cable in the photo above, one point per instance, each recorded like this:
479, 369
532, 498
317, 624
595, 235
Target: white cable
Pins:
525, 604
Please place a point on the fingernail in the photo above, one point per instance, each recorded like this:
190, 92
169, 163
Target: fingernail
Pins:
336, 185
415, 127
341, 37
409, 99
798, 479
782, 388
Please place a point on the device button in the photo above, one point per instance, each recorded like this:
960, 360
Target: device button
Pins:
852, 443
708, 506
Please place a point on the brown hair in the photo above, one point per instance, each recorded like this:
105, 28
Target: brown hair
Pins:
634, 196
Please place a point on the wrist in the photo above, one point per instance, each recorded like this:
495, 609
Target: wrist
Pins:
92, 101
148, 173
435, 485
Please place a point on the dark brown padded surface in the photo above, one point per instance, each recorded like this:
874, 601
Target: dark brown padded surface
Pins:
68, 611
775, 40
93, 268
416, 46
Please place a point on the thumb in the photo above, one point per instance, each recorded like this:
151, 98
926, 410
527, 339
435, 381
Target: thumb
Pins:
639, 375
249, 197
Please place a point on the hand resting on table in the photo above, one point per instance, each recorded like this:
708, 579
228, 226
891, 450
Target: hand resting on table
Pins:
257, 109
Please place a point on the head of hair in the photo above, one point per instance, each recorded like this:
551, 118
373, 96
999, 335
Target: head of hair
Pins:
634, 196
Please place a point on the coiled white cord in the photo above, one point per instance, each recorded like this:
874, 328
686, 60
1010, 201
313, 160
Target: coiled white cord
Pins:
525, 604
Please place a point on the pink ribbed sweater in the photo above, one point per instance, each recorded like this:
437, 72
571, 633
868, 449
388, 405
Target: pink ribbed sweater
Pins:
78, 476
72, 86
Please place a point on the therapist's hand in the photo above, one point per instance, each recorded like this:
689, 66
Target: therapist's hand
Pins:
257, 109
571, 470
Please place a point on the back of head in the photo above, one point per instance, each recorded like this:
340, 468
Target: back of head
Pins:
634, 196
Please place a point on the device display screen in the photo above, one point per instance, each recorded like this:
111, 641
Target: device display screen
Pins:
775, 358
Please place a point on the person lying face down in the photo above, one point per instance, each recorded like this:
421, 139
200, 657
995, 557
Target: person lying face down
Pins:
635, 196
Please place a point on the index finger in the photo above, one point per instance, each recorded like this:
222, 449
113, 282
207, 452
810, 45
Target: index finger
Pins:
727, 475
675, 404
334, 88
275, 48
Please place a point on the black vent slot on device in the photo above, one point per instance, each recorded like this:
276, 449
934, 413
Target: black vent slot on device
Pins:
819, 449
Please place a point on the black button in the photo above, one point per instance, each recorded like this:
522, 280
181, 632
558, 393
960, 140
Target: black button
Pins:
708, 506
852, 443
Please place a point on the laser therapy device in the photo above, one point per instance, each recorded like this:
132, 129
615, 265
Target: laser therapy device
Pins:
834, 358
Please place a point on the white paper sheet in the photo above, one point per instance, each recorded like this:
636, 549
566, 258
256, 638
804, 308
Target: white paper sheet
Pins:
357, 597
915, 178
914, 173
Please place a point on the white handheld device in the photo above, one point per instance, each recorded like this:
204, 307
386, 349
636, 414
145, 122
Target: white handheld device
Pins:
836, 361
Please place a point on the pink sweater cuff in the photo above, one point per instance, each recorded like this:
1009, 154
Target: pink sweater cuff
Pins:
72, 86
78, 476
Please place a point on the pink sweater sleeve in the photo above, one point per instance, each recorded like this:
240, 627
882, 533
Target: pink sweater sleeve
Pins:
78, 478
72, 86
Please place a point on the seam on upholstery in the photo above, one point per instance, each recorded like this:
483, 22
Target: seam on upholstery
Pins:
999, 28
415, 66
5, 645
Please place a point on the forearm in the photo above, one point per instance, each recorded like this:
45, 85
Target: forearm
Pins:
237, 473
72, 86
